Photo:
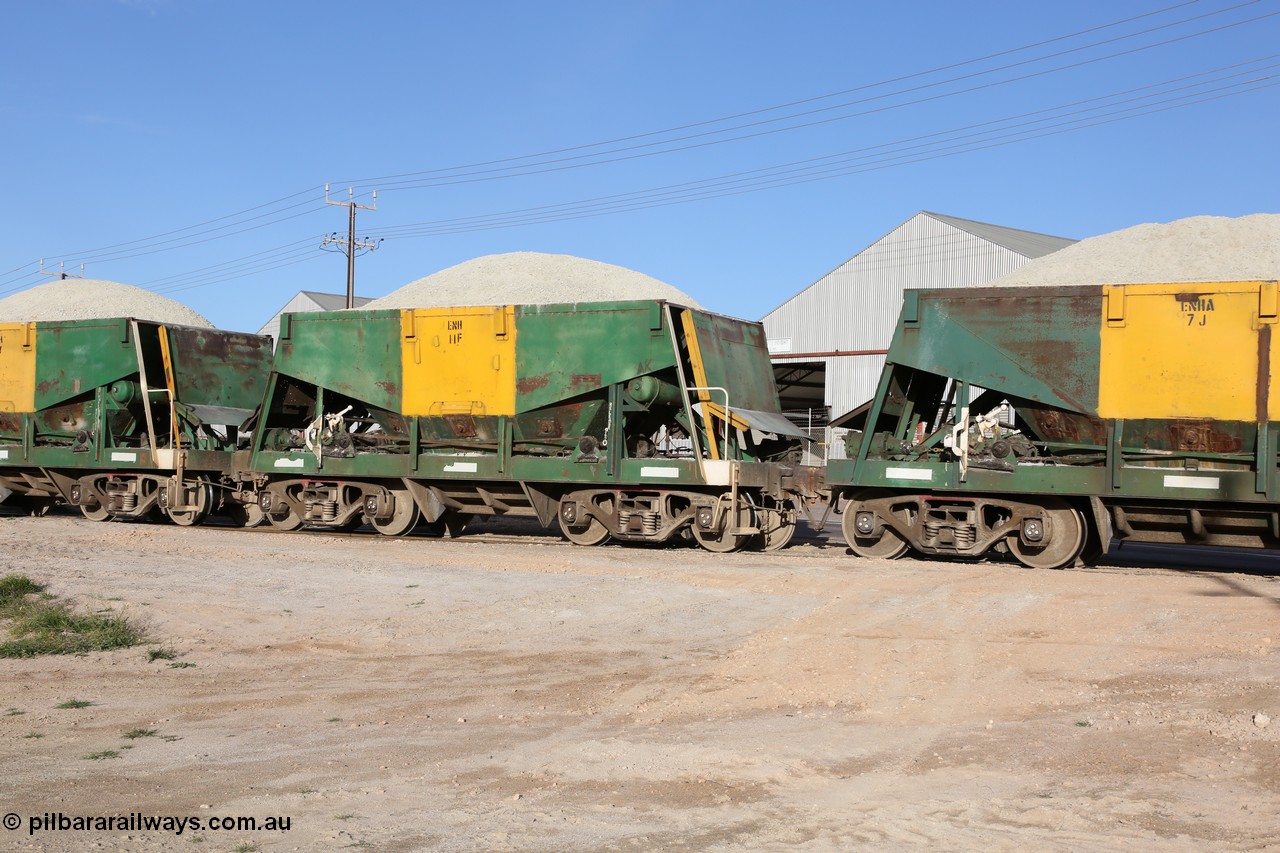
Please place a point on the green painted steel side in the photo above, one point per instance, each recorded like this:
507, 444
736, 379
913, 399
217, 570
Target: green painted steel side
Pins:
355, 353
1041, 344
736, 358
216, 368
76, 356
565, 351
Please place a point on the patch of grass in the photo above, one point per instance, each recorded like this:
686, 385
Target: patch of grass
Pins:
334, 720
308, 791
344, 816
14, 712
1084, 724
40, 624
74, 703
169, 738
134, 734
99, 756
246, 848
15, 588
197, 839
161, 654
33, 735
181, 664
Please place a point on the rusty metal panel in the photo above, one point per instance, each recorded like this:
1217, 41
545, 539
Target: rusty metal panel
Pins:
220, 369
565, 351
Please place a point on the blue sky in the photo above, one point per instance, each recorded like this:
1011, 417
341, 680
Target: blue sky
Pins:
183, 145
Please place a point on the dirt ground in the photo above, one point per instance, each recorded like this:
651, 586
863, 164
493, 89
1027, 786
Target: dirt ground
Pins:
509, 691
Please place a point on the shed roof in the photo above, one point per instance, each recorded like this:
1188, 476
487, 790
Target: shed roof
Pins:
1029, 244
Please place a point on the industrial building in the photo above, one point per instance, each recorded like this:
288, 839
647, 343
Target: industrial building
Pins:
828, 341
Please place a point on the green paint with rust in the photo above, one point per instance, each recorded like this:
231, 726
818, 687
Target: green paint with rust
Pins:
355, 353
567, 351
76, 356
1042, 345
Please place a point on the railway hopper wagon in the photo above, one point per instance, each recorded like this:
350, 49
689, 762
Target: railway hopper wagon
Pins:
1044, 422
128, 418
637, 420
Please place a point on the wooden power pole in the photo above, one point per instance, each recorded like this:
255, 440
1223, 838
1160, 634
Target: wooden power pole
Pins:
350, 245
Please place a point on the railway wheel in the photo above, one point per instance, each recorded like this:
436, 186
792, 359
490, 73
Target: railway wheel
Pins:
777, 526
201, 502
451, 524
722, 541
245, 515
1064, 532
887, 545
580, 531
97, 512
404, 515
288, 521
36, 507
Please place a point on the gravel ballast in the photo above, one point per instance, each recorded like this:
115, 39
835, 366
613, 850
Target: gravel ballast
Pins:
529, 278
1199, 248
93, 299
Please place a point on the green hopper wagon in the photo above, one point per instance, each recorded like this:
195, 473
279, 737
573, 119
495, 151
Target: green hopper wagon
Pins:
126, 418
1045, 422
637, 420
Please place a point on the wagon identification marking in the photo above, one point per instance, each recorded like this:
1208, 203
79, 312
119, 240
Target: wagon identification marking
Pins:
4, 454
455, 334
117, 456
289, 463
669, 473
909, 473
1195, 306
1177, 481
461, 468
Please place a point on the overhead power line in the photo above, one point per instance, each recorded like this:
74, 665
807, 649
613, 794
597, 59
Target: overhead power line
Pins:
288, 208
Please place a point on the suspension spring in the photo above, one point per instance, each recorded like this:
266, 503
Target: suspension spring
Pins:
129, 502
329, 510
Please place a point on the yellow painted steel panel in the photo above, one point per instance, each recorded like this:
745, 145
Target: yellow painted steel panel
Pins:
1188, 351
459, 361
17, 367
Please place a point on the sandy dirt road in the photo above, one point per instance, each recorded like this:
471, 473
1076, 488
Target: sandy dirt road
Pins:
513, 692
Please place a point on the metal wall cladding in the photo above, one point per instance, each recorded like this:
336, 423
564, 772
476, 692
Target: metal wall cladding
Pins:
17, 367
856, 305
1190, 351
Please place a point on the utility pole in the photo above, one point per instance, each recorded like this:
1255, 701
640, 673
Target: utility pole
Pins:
62, 270
351, 244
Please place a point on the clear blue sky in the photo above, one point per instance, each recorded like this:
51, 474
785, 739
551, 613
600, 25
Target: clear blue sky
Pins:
134, 120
